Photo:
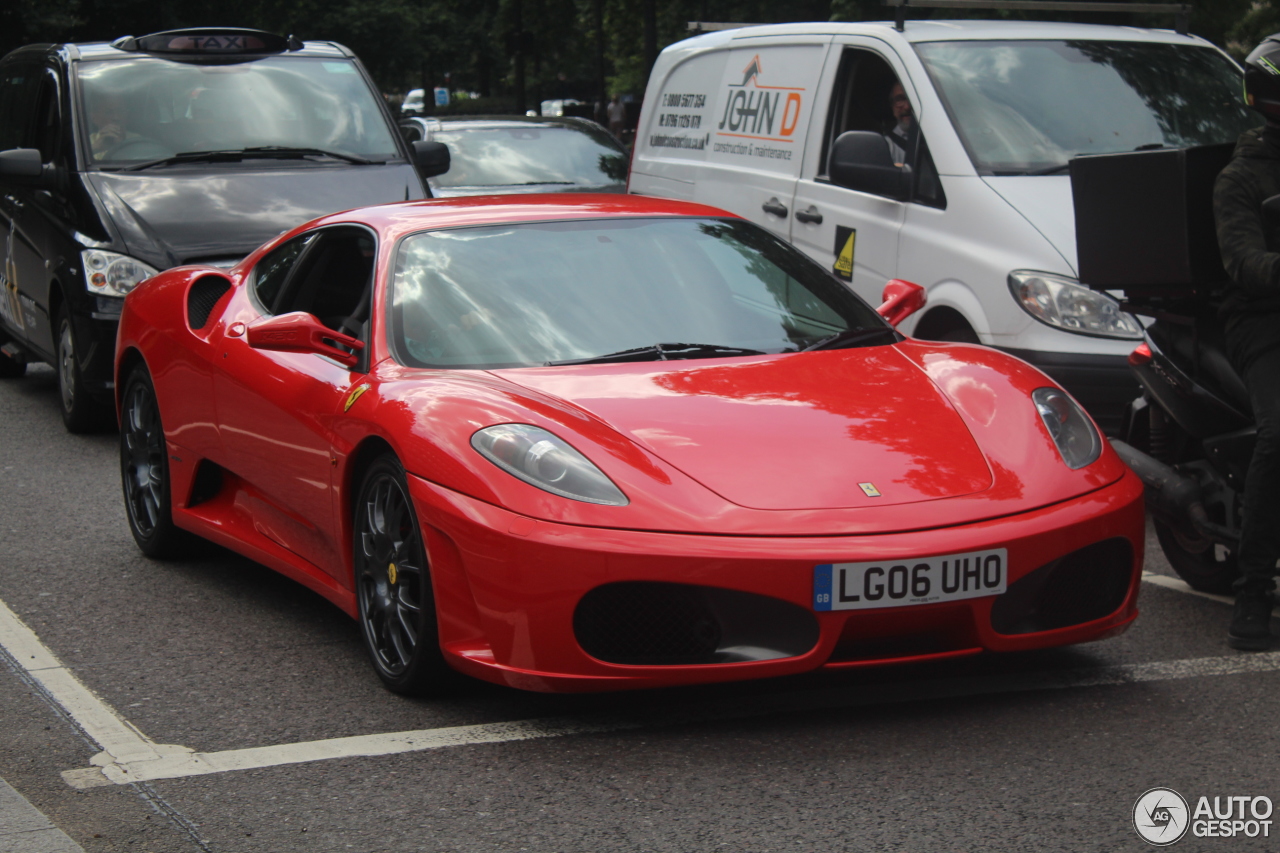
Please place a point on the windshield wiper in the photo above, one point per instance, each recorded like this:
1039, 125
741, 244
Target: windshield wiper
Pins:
659, 352
847, 338
1049, 170
231, 155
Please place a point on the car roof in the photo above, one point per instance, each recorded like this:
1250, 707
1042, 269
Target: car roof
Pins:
397, 219
943, 30
96, 50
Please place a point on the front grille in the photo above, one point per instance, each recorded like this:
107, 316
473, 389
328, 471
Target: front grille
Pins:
1085, 585
202, 297
653, 623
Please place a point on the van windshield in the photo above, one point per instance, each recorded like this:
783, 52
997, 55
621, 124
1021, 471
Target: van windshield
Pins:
147, 108
1027, 107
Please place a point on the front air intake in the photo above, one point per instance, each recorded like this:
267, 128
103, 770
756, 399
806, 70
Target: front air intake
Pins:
1084, 585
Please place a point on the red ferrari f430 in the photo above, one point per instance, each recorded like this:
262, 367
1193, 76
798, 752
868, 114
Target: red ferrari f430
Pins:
571, 443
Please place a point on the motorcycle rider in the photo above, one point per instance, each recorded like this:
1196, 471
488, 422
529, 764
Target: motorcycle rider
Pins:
1250, 314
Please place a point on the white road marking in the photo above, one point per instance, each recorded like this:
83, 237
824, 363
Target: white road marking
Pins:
130, 756
1181, 586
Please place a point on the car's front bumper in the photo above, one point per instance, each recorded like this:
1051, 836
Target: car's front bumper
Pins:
507, 588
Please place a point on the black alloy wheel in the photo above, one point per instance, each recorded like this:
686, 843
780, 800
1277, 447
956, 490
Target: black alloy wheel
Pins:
81, 412
393, 585
144, 470
1197, 560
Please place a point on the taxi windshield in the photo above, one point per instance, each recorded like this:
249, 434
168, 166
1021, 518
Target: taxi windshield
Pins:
528, 154
147, 108
615, 290
1027, 107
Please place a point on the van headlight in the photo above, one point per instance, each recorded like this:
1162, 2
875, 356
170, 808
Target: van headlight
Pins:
1064, 303
112, 274
1071, 431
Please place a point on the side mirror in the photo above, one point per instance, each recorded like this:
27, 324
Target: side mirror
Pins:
860, 160
21, 165
901, 299
302, 332
431, 158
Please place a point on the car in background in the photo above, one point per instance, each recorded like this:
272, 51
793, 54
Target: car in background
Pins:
414, 103
522, 154
573, 442
190, 146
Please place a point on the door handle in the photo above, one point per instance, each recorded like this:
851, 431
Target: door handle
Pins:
774, 207
810, 216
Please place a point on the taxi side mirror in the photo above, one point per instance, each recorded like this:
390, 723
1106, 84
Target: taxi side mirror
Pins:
1271, 210
900, 300
299, 331
431, 158
860, 160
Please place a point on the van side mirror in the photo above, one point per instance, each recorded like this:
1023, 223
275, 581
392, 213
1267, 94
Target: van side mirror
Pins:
299, 331
431, 158
900, 300
860, 160
21, 166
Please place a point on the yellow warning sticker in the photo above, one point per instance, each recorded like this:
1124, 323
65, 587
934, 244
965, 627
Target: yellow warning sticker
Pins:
846, 238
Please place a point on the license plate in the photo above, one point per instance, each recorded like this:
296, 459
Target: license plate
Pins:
919, 580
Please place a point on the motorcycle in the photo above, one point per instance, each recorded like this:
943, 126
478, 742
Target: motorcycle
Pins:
1190, 435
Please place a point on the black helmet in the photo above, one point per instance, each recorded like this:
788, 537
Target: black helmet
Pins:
1262, 78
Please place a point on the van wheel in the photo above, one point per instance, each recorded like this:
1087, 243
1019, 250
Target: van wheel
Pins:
81, 412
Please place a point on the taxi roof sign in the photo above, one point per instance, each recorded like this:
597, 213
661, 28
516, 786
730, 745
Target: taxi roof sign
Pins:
209, 40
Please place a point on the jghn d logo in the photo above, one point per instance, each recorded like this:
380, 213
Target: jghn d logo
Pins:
1160, 816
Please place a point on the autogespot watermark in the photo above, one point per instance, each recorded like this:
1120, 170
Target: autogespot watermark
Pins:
1162, 816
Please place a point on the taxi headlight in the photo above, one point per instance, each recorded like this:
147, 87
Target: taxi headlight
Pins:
544, 460
1071, 431
1066, 304
112, 274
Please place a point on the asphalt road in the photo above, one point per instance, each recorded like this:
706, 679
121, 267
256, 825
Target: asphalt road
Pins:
1044, 751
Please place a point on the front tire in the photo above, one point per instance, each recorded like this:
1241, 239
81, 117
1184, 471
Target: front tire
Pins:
81, 412
1196, 560
393, 585
144, 471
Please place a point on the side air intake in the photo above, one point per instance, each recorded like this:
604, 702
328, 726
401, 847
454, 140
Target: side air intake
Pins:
202, 297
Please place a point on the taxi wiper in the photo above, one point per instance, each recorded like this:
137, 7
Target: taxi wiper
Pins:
847, 338
1049, 170
659, 352
230, 155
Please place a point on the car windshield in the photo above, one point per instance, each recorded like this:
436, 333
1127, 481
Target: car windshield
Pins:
147, 108
529, 154
1030, 106
615, 290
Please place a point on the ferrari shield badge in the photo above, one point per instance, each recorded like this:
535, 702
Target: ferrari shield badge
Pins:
869, 489
356, 393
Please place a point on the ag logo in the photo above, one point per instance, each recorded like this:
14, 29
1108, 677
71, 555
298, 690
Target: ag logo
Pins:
1161, 816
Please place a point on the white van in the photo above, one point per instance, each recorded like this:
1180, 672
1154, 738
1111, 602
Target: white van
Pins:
938, 154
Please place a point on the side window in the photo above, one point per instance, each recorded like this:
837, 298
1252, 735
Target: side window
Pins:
333, 280
46, 132
868, 96
272, 271
17, 103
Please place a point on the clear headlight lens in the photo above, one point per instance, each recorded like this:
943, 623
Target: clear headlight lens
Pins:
542, 459
1072, 432
1066, 304
112, 274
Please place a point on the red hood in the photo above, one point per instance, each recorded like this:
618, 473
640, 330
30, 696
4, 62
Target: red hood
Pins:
786, 432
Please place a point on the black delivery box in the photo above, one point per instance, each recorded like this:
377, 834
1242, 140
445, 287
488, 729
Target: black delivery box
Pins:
1144, 219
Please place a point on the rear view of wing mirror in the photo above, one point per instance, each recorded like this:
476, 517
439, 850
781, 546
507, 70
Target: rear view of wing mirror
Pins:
901, 299
861, 160
431, 158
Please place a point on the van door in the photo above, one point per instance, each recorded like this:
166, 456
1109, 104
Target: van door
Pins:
19, 85
853, 233
755, 142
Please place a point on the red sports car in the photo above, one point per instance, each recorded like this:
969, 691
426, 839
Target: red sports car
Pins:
603, 442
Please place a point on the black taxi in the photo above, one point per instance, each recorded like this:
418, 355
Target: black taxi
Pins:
189, 146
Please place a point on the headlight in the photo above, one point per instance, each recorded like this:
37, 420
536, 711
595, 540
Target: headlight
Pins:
110, 274
543, 460
1066, 304
1077, 440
